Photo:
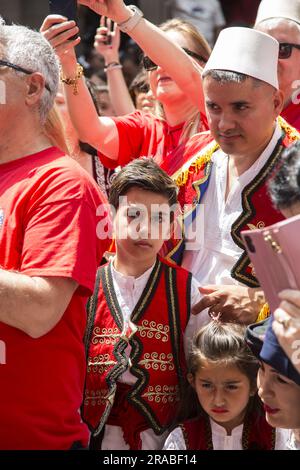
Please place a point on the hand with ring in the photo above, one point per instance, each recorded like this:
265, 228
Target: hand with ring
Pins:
286, 325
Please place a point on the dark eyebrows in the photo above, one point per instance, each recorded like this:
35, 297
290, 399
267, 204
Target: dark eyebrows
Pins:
240, 103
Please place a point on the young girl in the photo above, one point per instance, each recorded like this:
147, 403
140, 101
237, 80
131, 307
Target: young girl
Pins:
221, 410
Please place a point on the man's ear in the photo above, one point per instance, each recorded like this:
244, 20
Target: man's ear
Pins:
35, 88
191, 379
278, 101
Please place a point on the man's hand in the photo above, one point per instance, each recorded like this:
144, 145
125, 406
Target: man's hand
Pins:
286, 325
116, 10
231, 303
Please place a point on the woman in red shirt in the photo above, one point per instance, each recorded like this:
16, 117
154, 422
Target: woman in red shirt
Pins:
176, 83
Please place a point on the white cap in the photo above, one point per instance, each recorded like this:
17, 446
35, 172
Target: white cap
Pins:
288, 9
246, 51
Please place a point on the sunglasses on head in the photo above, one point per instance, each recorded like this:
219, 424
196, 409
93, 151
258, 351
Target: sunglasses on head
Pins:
5, 63
285, 49
149, 65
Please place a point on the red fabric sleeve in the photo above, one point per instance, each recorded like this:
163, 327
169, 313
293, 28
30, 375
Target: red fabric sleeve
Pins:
135, 130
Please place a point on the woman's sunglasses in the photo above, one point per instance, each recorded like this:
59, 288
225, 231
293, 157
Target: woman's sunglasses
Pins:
285, 49
149, 65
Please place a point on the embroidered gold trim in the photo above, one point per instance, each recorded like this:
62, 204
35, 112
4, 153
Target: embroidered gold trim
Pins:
107, 336
290, 131
157, 361
162, 394
99, 363
153, 329
94, 398
194, 165
260, 224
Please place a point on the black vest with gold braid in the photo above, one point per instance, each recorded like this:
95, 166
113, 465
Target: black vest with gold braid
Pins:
155, 333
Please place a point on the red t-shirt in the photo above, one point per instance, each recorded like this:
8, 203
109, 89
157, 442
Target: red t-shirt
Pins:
144, 135
47, 228
291, 114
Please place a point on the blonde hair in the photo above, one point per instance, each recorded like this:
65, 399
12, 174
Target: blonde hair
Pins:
54, 130
202, 48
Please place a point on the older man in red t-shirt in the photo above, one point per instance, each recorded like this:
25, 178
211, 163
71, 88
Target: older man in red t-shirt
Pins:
49, 252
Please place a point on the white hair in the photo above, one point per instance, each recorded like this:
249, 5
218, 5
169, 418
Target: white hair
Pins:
30, 50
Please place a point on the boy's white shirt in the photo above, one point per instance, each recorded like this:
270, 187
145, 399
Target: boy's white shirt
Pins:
128, 290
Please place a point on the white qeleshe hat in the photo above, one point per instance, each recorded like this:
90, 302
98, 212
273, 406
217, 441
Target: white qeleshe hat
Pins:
288, 9
246, 51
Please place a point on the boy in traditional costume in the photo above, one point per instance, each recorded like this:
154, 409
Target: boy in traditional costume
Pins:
139, 319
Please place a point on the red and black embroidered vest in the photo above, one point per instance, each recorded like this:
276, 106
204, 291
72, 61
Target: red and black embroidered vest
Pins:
258, 210
157, 357
257, 433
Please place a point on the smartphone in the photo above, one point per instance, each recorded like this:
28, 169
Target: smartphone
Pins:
274, 252
67, 8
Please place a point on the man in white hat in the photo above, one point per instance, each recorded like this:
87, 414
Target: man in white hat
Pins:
281, 19
243, 102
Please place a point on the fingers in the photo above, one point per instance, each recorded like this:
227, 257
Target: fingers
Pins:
209, 289
206, 302
290, 308
66, 46
51, 20
291, 296
63, 31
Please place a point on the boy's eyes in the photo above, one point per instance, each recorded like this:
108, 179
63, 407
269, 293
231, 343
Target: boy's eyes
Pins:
133, 213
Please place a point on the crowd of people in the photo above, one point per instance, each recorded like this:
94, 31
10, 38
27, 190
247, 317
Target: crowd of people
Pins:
131, 316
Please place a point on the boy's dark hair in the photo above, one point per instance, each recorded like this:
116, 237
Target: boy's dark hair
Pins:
142, 173
284, 187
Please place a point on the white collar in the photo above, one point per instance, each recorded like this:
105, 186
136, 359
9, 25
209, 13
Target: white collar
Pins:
217, 429
123, 279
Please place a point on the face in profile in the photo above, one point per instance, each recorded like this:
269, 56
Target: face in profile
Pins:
280, 397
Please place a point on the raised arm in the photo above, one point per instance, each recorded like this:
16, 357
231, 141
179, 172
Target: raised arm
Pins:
100, 133
107, 43
156, 44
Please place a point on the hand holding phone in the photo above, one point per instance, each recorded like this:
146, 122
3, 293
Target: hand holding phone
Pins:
66, 8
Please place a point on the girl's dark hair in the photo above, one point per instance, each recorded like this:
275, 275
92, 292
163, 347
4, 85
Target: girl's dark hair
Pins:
284, 186
142, 173
220, 344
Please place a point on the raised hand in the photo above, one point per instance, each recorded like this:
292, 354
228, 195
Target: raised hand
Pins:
58, 31
107, 40
116, 10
